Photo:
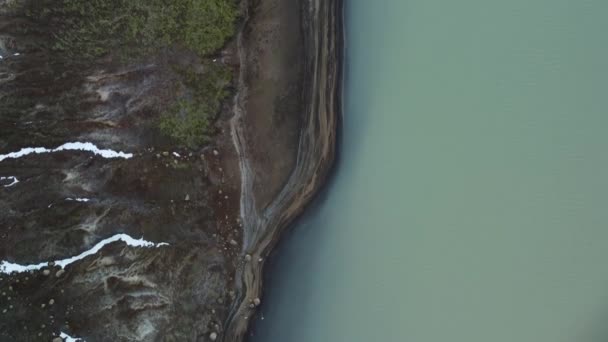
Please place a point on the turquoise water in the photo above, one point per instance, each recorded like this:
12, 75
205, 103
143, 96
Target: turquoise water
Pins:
470, 202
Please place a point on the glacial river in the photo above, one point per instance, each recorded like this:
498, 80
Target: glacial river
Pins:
470, 202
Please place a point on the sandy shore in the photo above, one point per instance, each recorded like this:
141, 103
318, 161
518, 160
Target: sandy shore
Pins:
284, 130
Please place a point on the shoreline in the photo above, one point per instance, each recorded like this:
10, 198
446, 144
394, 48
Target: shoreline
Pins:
323, 40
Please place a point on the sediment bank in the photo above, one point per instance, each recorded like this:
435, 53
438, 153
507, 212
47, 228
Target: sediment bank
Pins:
318, 117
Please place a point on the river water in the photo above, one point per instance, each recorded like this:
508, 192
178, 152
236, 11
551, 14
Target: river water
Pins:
470, 203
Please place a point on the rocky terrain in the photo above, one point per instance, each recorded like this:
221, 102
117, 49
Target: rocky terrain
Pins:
115, 228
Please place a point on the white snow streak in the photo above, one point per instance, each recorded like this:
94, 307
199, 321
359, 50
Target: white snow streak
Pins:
71, 146
8, 268
12, 178
78, 199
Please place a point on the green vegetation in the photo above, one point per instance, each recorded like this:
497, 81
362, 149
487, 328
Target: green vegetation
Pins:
81, 31
187, 121
96, 27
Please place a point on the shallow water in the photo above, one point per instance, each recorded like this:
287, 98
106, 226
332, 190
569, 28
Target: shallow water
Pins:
470, 201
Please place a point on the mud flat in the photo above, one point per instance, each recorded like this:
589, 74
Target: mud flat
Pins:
276, 187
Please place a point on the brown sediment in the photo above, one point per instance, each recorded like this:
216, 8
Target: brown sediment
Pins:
277, 185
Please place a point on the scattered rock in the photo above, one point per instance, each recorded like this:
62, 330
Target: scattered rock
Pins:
213, 336
257, 302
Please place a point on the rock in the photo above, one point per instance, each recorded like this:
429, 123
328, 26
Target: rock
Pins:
57, 339
260, 260
233, 242
166, 154
213, 336
51, 302
247, 257
59, 273
46, 272
257, 302
220, 300
216, 152
187, 197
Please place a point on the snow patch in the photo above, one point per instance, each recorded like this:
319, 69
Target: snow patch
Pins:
78, 199
13, 179
8, 267
71, 146
16, 54
68, 338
